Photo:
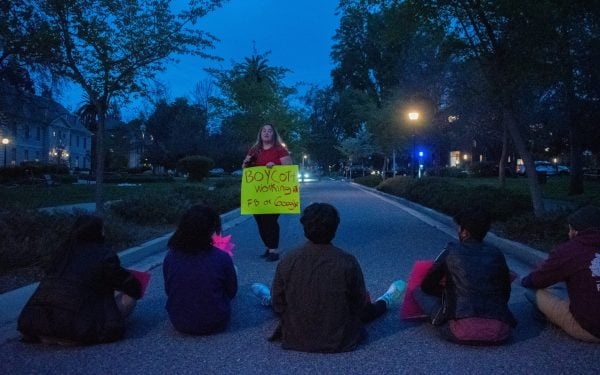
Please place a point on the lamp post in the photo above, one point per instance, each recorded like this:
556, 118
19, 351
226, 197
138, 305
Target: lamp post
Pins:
304, 160
5, 141
413, 117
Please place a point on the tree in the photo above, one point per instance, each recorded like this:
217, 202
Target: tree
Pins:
251, 93
113, 48
176, 130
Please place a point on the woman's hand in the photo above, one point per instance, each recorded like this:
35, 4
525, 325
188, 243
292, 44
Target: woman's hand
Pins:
246, 161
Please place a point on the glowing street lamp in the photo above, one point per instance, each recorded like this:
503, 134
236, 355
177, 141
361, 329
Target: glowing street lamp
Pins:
304, 157
413, 117
5, 141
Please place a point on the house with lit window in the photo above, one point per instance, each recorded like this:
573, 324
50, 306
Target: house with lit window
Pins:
36, 128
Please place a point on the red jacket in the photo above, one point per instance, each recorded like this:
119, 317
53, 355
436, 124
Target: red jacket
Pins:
577, 263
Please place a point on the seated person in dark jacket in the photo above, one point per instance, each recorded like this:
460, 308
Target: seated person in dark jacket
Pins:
577, 263
466, 292
319, 291
200, 280
76, 302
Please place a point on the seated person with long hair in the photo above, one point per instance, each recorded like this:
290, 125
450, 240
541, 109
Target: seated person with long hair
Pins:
76, 302
200, 280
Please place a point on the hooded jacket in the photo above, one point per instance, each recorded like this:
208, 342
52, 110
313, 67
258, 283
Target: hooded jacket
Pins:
577, 263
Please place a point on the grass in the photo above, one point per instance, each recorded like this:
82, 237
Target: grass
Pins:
556, 187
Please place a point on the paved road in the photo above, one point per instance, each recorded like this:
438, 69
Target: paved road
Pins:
386, 239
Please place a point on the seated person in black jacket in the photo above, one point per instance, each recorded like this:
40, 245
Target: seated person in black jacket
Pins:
466, 292
76, 302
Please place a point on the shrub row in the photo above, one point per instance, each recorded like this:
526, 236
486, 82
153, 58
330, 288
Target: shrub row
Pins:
444, 196
29, 237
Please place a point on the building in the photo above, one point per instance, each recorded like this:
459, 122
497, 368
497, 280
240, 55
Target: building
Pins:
36, 128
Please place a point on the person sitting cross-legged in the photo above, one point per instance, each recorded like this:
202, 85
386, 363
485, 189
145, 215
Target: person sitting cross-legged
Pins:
466, 291
577, 263
319, 291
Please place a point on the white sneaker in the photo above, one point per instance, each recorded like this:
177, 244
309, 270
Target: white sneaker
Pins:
394, 293
262, 292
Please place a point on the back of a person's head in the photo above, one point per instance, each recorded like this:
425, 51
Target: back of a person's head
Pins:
320, 222
476, 220
87, 229
195, 229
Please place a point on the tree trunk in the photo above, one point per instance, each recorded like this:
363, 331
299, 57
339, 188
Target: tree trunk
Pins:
502, 163
535, 190
576, 168
99, 196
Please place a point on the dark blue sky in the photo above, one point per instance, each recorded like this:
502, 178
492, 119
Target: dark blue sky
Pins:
298, 34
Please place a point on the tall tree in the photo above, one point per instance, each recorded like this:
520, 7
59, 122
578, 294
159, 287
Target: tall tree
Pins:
252, 92
113, 48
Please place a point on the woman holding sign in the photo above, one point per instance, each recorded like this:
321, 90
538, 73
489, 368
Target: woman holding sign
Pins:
268, 151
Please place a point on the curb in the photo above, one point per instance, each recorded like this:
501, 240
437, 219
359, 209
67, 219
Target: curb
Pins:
528, 255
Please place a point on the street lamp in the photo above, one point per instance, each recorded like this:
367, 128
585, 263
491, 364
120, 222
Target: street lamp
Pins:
413, 116
5, 141
304, 160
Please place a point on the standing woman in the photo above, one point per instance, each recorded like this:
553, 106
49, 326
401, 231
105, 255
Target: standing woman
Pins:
268, 151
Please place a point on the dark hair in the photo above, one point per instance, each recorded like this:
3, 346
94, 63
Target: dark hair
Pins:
320, 221
476, 220
587, 217
195, 230
86, 229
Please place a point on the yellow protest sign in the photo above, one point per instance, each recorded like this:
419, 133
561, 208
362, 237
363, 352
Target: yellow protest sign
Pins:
270, 190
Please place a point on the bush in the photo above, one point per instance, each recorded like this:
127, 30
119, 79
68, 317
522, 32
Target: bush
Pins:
371, 180
28, 170
542, 233
447, 172
484, 169
449, 198
196, 166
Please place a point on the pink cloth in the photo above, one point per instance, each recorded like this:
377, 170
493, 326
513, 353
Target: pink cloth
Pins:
410, 308
223, 243
143, 278
479, 329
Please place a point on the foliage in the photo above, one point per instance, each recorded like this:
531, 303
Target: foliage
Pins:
26, 171
252, 93
448, 197
29, 237
113, 48
370, 180
542, 233
176, 130
196, 166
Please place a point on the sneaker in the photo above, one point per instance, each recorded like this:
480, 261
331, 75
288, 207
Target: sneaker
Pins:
262, 292
272, 257
394, 293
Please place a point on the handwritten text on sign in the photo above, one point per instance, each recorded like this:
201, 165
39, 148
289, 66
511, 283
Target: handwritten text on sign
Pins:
270, 190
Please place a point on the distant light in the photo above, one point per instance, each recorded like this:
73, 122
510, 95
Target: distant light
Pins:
420, 153
555, 160
413, 116
5, 141
465, 156
452, 118
547, 149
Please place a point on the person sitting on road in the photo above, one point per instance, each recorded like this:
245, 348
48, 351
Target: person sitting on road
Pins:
319, 291
466, 291
577, 263
200, 280
76, 302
